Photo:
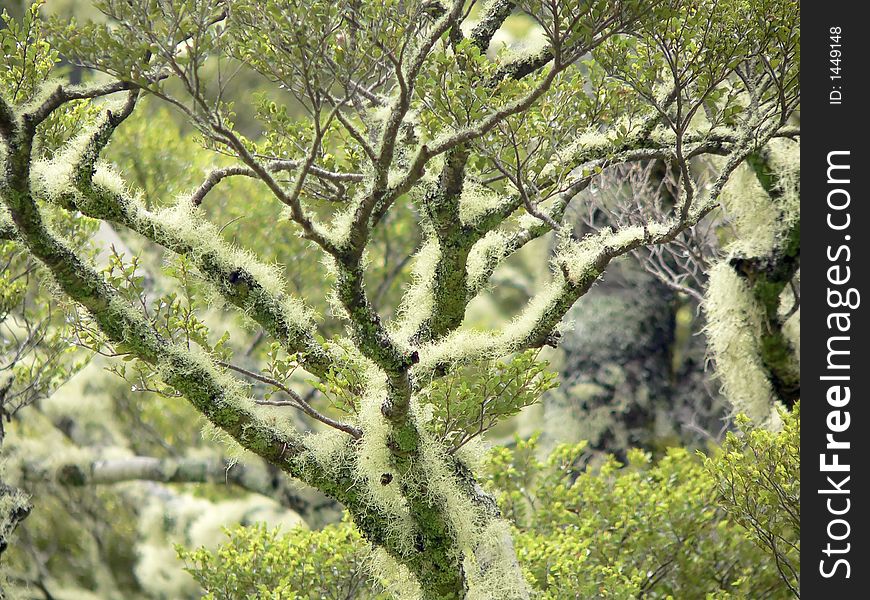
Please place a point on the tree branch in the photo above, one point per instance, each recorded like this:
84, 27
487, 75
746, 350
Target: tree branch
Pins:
194, 377
297, 401
228, 271
576, 266
495, 13
250, 477
63, 94
218, 175
7, 120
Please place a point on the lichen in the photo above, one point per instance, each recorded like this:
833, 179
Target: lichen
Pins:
756, 355
755, 219
418, 302
329, 448
392, 576
492, 570
441, 485
484, 256
734, 328
188, 223
463, 345
256, 287
374, 459
476, 201
784, 157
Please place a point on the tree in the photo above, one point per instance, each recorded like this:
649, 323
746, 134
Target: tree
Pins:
379, 106
34, 354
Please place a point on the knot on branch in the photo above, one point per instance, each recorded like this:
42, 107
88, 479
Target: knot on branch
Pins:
553, 339
71, 475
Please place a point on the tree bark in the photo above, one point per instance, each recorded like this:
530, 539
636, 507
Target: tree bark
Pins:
313, 507
14, 508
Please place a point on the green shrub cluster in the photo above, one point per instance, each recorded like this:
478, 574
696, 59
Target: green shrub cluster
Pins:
293, 565
683, 526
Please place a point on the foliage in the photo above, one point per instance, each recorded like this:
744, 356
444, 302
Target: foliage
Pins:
757, 476
36, 355
28, 57
472, 400
293, 565
683, 526
646, 529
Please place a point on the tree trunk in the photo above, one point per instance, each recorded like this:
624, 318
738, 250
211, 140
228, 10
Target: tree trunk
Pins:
14, 508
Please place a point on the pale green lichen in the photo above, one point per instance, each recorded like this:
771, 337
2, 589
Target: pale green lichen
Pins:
476, 201
484, 256
329, 448
56, 177
457, 347
234, 453
418, 302
188, 223
536, 311
5, 218
340, 227
784, 157
441, 484
474, 454
734, 327
490, 565
52, 179
756, 221
374, 459
107, 178
465, 344
492, 570
180, 227
587, 146
392, 576
764, 205
580, 258
480, 538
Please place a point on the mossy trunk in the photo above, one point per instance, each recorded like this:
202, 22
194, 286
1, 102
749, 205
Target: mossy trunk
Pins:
768, 277
632, 372
447, 537
633, 369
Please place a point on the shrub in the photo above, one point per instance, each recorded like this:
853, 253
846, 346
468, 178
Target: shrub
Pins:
683, 526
